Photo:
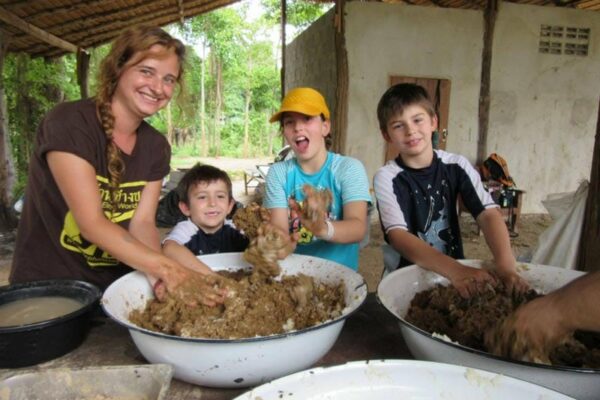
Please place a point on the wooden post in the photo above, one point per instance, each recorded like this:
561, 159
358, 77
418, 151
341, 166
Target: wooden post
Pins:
283, 23
8, 220
589, 245
340, 117
83, 68
489, 15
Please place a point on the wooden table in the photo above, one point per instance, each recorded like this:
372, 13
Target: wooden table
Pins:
370, 333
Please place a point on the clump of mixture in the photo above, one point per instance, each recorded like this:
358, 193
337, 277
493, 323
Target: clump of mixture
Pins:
316, 203
268, 244
443, 311
248, 219
258, 305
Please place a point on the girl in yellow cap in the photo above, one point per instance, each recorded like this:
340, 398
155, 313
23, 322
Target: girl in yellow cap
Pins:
333, 233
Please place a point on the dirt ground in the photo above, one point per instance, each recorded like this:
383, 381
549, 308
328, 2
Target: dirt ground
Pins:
371, 257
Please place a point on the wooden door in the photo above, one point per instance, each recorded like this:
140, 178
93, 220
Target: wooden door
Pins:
439, 93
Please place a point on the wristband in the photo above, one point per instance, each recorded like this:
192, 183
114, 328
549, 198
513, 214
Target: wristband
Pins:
330, 231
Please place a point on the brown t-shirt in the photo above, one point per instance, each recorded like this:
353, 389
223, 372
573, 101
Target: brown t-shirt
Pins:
49, 244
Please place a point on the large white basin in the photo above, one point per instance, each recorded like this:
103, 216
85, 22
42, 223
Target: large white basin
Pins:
238, 362
397, 289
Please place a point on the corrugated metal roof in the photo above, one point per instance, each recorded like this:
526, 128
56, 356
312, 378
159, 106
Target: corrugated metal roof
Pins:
88, 23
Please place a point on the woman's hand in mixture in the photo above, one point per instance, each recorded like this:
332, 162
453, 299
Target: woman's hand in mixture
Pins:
189, 286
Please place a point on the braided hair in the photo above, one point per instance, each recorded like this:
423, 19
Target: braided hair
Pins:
131, 47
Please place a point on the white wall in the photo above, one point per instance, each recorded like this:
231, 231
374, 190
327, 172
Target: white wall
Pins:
390, 39
544, 107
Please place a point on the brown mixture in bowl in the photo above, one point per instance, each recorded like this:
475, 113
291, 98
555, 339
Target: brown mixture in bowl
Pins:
441, 310
259, 305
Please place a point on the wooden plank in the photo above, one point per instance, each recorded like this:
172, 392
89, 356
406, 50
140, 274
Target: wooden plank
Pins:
181, 12
8, 220
41, 34
283, 39
340, 118
589, 244
83, 68
489, 16
104, 32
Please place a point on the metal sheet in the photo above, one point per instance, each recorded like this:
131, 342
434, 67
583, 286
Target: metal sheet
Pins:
131, 382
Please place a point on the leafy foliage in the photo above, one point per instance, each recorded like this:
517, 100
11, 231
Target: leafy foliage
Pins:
32, 88
231, 84
299, 13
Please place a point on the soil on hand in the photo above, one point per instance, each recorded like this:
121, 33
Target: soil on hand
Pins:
268, 244
443, 311
259, 305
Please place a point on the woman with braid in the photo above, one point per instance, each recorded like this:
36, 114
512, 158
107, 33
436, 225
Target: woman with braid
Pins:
95, 177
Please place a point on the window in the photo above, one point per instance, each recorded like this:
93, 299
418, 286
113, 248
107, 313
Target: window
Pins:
567, 40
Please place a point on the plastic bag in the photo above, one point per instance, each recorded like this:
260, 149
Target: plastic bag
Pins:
559, 244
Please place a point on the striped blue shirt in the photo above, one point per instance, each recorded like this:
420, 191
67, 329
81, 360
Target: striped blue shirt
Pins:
347, 180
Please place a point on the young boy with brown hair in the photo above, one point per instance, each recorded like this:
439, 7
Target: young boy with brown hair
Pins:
417, 196
205, 198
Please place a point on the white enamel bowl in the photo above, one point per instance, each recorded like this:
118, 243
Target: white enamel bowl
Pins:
398, 379
397, 289
241, 362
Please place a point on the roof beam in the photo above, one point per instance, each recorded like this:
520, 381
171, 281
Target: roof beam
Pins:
141, 10
41, 34
181, 13
106, 33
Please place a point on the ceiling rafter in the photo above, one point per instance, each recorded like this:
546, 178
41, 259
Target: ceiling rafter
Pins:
72, 24
33, 30
181, 13
155, 9
108, 32
75, 7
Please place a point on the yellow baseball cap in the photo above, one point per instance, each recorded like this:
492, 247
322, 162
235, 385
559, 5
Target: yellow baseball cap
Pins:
302, 100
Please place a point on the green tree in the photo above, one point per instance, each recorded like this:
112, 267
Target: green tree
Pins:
33, 87
299, 13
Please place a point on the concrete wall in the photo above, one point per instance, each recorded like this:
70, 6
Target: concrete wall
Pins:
544, 107
310, 60
384, 40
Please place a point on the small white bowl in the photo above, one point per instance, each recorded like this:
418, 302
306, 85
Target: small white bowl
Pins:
230, 363
399, 379
397, 289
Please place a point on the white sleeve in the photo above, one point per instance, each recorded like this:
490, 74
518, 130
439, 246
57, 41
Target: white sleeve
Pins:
390, 213
182, 232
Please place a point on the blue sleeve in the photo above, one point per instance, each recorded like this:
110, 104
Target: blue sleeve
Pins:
275, 194
354, 181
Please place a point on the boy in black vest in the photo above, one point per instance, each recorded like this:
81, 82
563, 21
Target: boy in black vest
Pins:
417, 196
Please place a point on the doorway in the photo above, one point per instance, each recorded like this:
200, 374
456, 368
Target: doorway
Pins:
439, 93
